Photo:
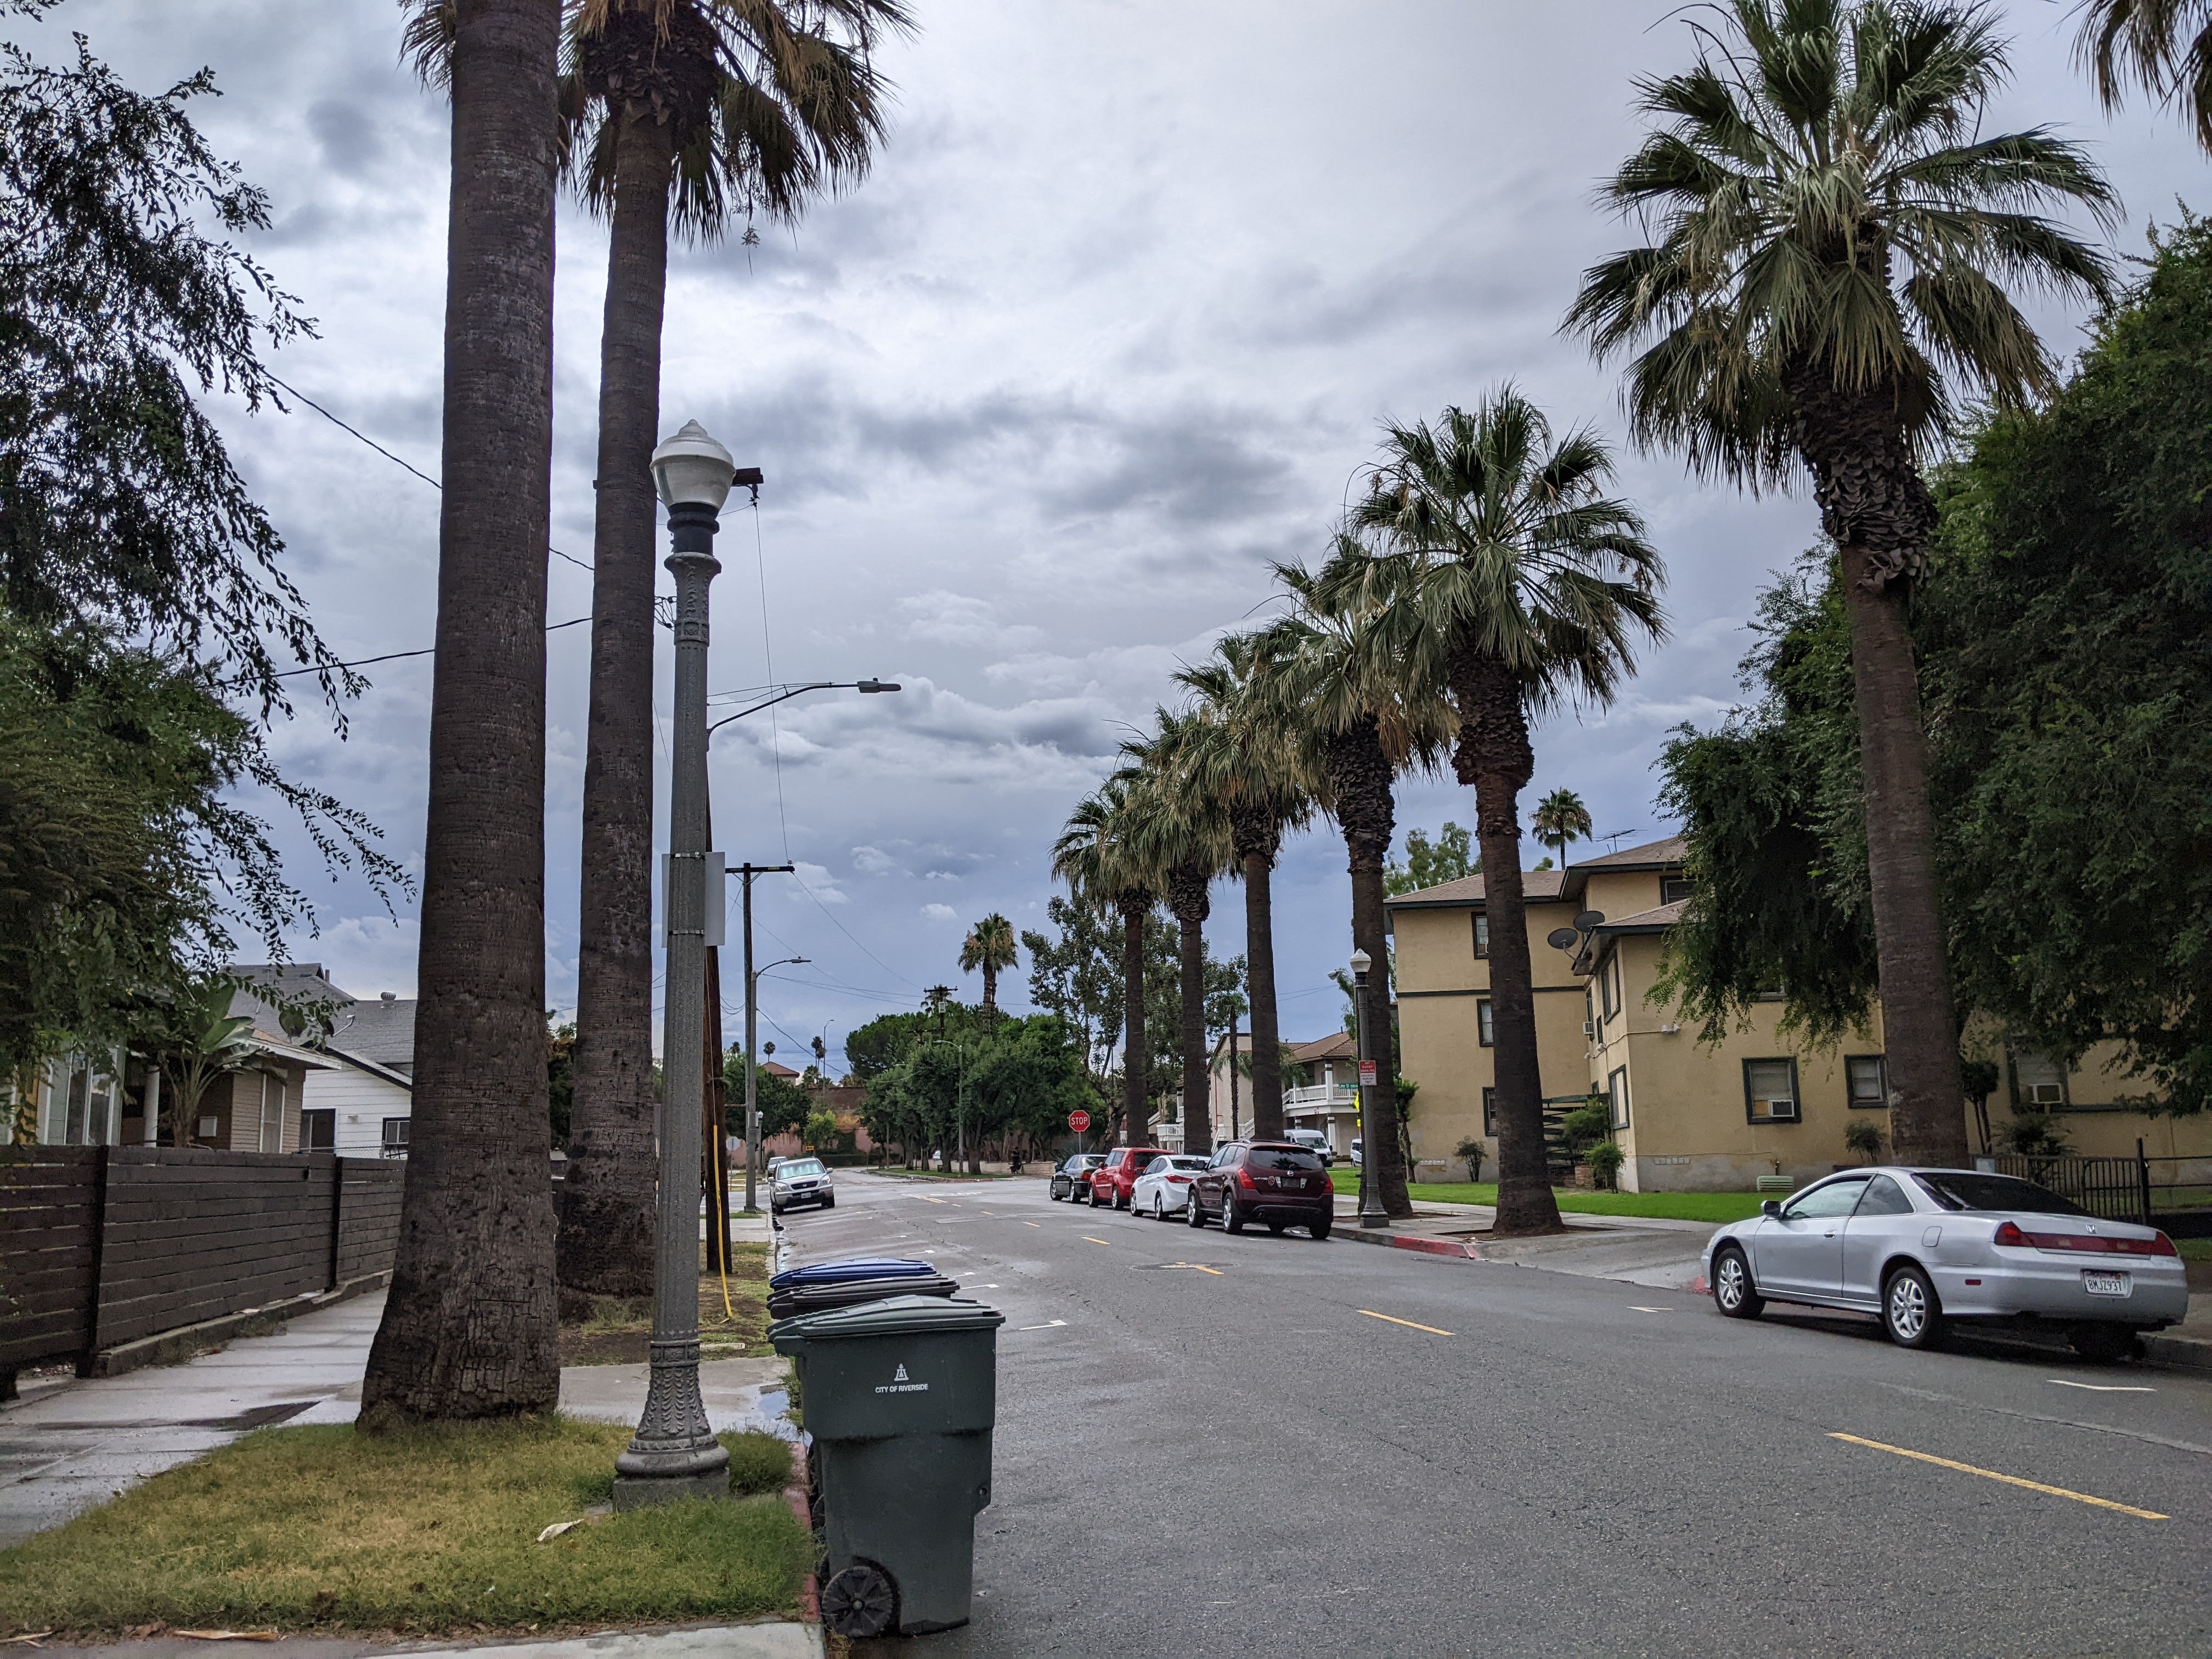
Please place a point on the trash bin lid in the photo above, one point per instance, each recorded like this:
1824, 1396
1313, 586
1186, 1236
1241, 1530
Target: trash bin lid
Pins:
898, 1315
859, 1267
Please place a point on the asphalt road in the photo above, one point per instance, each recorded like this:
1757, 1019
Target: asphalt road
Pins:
1250, 1461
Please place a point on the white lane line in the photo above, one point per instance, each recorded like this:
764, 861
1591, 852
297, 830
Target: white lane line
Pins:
2103, 1387
1047, 1326
1634, 1307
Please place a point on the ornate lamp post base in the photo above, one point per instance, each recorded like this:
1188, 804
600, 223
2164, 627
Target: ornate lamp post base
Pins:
674, 1454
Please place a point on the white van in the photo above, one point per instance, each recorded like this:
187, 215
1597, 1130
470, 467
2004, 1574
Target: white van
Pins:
1313, 1140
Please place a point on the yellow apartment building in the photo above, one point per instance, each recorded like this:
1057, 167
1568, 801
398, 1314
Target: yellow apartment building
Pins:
1689, 1115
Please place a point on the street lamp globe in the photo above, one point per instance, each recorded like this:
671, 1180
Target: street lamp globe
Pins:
692, 469
1361, 962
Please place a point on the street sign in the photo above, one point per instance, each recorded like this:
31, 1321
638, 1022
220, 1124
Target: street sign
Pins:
1078, 1119
1366, 1073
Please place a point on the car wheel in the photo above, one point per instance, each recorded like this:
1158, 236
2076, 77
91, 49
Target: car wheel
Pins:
1159, 1208
1318, 1228
1192, 1213
1733, 1293
1230, 1221
1121, 1200
1053, 1192
2103, 1342
1909, 1312
830, 1202
1078, 1194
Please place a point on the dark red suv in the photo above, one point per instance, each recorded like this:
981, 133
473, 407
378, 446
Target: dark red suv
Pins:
1112, 1181
1277, 1183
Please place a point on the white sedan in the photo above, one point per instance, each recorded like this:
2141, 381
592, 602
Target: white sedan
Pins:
1921, 1247
1165, 1187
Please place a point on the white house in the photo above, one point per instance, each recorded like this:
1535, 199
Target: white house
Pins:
360, 1106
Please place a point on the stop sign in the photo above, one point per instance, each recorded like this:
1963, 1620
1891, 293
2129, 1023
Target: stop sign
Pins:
1078, 1119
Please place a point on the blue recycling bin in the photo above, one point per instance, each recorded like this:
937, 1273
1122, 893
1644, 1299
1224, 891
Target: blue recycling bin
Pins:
825, 1285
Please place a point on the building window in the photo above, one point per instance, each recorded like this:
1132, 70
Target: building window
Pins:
2037, 1080
1609, 986
1616, 1089
1481, 936
1483, 1027
271, 1138
395, 1137
1866, 1080
1490, 1111
1674, 889
1770, 1090
318, 1131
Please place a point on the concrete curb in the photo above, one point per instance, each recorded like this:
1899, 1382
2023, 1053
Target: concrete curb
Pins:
1450, 1247
810, 1599
181, 1343
2189, 1353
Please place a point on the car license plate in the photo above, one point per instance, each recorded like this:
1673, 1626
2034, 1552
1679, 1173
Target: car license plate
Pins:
2098, 1284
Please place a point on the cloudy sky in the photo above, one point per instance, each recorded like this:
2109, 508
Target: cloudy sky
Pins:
1108, 329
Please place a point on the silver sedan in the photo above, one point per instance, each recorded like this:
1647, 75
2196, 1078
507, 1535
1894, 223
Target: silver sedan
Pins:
1920, 1248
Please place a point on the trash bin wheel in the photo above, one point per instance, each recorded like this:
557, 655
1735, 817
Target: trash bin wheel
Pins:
860, 1601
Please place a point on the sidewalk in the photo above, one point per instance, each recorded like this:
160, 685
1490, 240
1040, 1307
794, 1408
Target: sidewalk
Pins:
1656, 1251
769, 1640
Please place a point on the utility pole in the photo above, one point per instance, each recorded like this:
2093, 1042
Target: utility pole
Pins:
1232, 1078
753, 981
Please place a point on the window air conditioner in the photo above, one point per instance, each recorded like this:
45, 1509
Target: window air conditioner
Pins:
1590, 1028
2046, 1094
1782, 1109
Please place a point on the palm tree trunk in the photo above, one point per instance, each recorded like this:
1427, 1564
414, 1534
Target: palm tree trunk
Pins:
1920, 1033
990, 992
1186, 897
1359, 779
605, 1243
469, 1326
1135, 1055
1259, 991
1876, 508
1493, 755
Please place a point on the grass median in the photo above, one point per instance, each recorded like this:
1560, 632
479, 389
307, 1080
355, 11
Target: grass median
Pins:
424, 1532
1669, 1206
732, 1317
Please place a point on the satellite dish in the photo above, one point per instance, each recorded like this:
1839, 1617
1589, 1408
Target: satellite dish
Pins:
1589, 919
1563, 938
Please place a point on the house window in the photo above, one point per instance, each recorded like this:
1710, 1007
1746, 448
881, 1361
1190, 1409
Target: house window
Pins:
1770, 1090
318, 1131
395, 1137
1616, 1089
1481, 935
1866, 1080
1490, 1111
2037, 1080
1483, 1027
1609, 988
1674, 889
272, 1138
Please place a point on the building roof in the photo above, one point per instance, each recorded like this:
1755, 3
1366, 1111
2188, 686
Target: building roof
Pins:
1537, 887
1664, 853
1643, 921
379, 1031
1338, 1045
777, 1068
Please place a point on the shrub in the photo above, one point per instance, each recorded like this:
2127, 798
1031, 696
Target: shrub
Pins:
1471, 1150
1863, 1136
1584, 1126
1605, 1160
2034, 1134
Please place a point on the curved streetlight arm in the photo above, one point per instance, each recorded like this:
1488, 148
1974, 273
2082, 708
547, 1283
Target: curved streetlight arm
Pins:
790, 691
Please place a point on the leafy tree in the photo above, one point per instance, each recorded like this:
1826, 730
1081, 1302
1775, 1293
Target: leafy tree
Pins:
1076, 973
1559, 819
560, 1076
1530, 587
1864, 1135
1428, 863
783, 1105
1833, 235
988, 949
198, 1041
2142, 41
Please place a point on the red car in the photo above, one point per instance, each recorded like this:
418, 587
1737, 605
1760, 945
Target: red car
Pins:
1112, 1181
1277, 1183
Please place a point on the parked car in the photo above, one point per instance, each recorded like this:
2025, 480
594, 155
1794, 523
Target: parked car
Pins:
1112, 1181
1162, 1190
1922, 1248
1277, 1183
1356, 1159
1315, 1142
801, 1181
1071, 1179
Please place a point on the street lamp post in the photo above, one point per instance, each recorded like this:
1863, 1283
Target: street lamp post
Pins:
1371, 1212
674, 1454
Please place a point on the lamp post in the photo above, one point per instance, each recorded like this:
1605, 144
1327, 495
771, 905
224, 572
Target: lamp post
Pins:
674, 1454
1371, 1212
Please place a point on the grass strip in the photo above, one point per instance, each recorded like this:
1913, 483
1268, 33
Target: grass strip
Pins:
1673, 1207
618, 1330
423, 1532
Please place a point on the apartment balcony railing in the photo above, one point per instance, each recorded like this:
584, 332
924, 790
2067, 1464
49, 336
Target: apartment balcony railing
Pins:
1341, 1095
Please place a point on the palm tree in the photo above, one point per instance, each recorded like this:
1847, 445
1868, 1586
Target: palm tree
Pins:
1093, 857
469, 1324
1180, 834
2140, 40
697, 110
201, 1039
1368, 718
1527, 585
1240, 754
1561, 817
989, 949
1832, 230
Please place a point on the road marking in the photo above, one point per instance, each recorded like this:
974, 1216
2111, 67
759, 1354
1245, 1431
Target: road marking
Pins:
1095, 1241
1196, 1266
2008, 1480
1395, 1319
1033, 1223
1047, 1326
1634, 1307
926, 1199
2103, 1387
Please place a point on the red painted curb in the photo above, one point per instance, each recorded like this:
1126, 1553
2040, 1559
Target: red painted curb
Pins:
810, 1602
1425, 1246
1699, 1287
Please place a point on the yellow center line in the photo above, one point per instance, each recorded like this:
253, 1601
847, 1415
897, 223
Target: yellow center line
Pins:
2009, 1479
1201, 1267
1033, 1223
1395, 1319
926, 1199
1095, 1241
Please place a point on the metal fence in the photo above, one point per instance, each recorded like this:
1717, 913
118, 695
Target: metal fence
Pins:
2171, 1193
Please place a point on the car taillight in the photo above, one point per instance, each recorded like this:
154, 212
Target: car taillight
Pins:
2085, 1243
2008, 1234
1245, 1180
1178, 1180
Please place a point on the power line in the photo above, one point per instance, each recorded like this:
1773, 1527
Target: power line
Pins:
394, 656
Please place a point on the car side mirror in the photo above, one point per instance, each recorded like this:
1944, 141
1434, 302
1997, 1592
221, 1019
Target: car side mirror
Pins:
1772, 1206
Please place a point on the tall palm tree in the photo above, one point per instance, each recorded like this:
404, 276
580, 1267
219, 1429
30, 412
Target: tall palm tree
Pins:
468, 1325
1368, 714
1528, 585
694, 110
989, 949
1561, 817
1832, 234
1093, 856
2141, 40
1180, 834
1239, 754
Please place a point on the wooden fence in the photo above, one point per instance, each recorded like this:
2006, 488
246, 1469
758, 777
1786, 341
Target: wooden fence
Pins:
104, 1245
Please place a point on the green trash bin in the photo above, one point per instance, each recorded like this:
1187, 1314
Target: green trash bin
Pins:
900, 1396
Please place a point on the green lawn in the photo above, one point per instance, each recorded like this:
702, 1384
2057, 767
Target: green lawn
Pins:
2194, 1249
420, 1532
1675, 1206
